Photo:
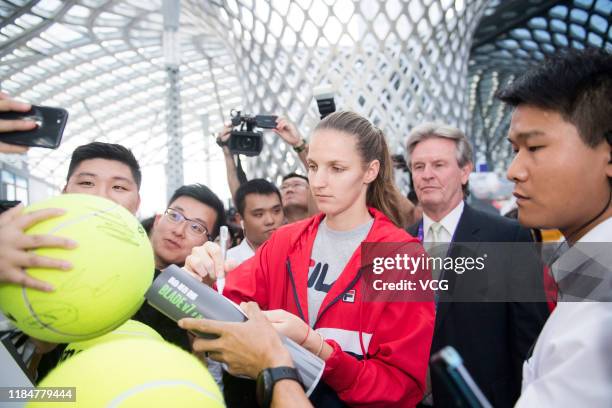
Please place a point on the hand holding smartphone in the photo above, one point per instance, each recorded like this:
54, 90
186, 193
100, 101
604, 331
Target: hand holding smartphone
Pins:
48, 132
7, 205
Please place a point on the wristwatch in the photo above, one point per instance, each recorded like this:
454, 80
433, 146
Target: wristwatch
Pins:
268, 377
300, 148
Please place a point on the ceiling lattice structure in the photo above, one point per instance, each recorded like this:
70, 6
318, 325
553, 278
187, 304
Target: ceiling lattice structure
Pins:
103, 61
397, 62
513, 35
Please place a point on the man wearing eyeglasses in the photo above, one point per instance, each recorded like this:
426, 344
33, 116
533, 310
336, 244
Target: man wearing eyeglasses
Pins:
295, 193
193, 216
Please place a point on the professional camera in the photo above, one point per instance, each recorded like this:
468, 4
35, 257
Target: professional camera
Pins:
324, 95
246, 140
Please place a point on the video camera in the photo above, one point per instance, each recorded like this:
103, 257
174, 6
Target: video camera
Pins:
247, 140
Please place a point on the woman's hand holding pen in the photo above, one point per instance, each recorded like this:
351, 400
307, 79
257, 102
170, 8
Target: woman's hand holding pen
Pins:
206, 263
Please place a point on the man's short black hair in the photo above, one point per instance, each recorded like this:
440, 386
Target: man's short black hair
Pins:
255, 186
108, 151
575, 83
204, 195
292, 175
147, 224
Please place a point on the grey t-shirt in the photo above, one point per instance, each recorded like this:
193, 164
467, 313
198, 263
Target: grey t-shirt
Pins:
330, 253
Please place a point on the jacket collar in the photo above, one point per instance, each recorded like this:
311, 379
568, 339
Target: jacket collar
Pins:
308, 228
301, 249
467, 229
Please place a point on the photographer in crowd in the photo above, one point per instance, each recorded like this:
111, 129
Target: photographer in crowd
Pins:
298, 203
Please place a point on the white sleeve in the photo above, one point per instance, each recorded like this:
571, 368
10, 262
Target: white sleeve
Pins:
572, 362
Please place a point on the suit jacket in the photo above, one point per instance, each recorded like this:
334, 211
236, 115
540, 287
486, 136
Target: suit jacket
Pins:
493, 338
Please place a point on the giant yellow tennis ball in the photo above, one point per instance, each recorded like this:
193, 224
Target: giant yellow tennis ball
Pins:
132, 329
112, 269
135, 373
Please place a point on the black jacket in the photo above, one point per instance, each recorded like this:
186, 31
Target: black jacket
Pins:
493, 338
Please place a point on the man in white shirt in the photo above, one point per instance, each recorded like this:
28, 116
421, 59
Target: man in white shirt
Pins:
261, 212
561, 132
260, 209
492, 337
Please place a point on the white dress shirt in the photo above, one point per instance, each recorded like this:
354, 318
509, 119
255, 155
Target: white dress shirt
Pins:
571, 365
240, 252
449, 222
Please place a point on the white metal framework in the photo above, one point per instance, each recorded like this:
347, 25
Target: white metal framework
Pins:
396, 62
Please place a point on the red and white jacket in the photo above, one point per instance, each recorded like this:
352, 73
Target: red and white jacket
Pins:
381, 349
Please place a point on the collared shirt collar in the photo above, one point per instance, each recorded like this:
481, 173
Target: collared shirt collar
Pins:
449, 222
582, 271
601, 232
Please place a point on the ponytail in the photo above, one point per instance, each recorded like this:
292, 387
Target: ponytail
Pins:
382, 193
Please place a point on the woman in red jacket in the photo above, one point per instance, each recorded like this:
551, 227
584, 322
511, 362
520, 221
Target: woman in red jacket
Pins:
308, 275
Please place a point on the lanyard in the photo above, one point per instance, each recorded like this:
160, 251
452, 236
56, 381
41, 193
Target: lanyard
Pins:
420, 233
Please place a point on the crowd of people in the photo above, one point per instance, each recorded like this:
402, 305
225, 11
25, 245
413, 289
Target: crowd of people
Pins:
297, 270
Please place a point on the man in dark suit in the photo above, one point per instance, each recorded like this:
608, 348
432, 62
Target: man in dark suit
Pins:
492, 334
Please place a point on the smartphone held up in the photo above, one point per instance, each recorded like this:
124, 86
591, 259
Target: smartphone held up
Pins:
48, 133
